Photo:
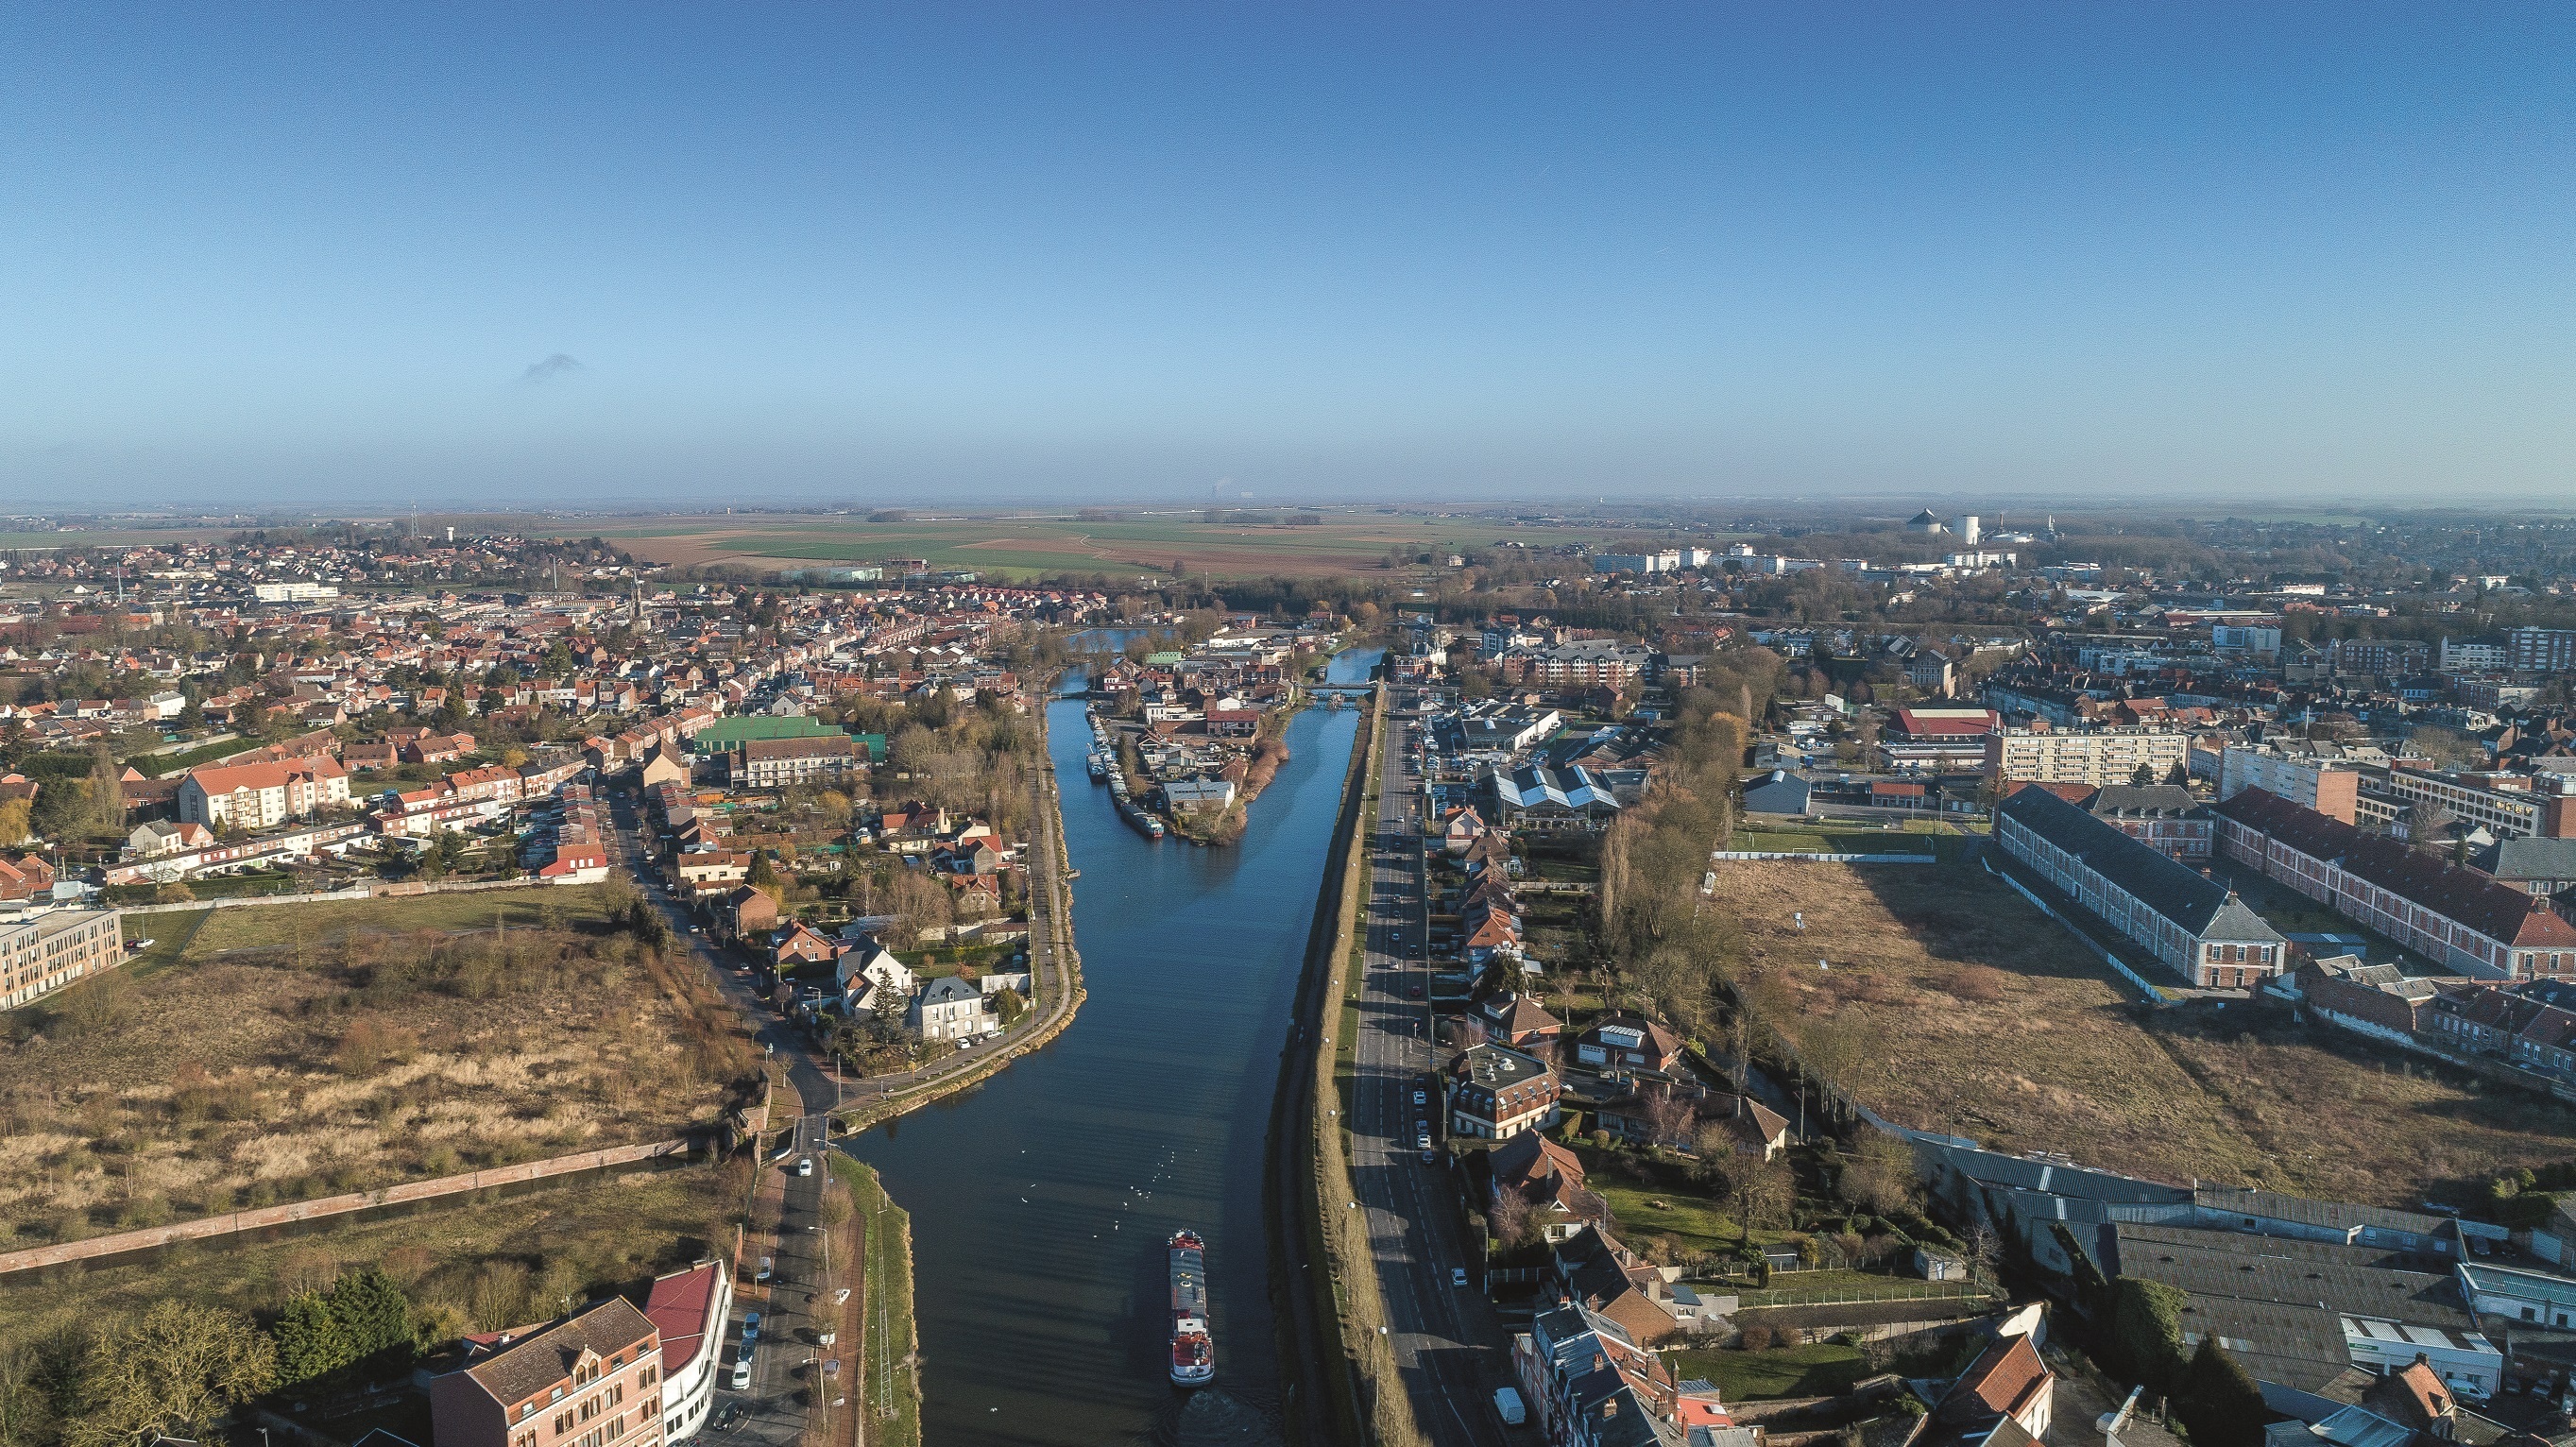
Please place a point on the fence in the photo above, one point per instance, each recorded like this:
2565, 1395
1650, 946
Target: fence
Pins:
325, 1207
1849, 1295
1804, 858
403, 890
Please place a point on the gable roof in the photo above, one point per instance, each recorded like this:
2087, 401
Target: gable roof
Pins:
2200, 905
2497, 910
527, 1367
1999, 1383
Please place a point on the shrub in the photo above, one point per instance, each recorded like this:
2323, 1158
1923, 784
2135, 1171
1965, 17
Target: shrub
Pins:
1757, 1338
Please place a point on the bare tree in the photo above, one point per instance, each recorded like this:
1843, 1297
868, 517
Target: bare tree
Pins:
1512, 1220
1669, 1117
1764, 1192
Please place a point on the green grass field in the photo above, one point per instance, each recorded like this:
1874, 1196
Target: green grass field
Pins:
280, 925
1822, 1370
889, 1391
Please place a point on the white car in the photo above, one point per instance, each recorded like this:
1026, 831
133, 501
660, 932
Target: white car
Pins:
1421, 1098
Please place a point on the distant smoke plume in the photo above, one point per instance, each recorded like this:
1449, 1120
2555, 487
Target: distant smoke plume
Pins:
552, 369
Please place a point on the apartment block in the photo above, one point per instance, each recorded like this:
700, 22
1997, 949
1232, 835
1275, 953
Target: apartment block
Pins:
2541, 650
2092, 756
2505, 805
2322, 777
260, 796
52, 950
593, 1379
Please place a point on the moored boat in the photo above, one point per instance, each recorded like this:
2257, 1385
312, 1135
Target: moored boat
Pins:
1193, 1343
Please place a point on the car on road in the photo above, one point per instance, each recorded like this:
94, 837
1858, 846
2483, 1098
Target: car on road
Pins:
1421, 1098
805, 1167
1413, 992
1422, 1141
1457, 1276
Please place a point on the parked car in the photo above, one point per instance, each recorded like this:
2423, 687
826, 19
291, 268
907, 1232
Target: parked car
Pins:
750, 1327
1421, 1098
742, 1370
763, 1273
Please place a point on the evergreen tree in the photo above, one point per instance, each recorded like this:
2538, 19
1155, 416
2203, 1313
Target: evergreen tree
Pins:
372, 1310
310, 1341
2219, 1402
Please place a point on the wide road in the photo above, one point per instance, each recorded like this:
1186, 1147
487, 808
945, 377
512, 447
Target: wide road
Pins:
1449, 1345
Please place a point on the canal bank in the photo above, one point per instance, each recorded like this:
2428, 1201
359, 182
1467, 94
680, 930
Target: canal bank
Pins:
1041, 1198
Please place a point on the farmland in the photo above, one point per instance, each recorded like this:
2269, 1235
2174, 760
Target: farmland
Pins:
1948, 1003
1345, 542
269, 1054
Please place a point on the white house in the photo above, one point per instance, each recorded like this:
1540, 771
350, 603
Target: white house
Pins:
950, 1009
877, 964
689, 1309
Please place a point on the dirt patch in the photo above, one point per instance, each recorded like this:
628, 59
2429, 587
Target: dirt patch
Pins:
1960, 1008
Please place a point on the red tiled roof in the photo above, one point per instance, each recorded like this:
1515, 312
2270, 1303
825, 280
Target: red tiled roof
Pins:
1998, 1384
1945, 723
2498, 911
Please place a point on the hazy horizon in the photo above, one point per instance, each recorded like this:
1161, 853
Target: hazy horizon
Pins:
669, 257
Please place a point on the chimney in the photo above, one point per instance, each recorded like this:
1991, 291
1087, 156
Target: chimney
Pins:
1609, 1408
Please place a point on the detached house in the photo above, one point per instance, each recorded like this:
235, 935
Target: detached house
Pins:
1496, 1093
1624, 1040
1549, 1178
950, 1009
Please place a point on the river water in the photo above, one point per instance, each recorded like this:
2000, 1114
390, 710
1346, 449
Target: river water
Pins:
1041, 1200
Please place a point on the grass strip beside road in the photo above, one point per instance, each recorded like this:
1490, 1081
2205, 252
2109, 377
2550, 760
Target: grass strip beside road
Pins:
1348, 1294
888, 1386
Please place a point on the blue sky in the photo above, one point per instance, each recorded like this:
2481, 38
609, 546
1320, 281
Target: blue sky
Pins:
949, 254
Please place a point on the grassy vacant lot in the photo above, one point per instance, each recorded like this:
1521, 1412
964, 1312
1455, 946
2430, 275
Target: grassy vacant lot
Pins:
888, 1388
279, 1053
1821, 1370
1952, 1005
1344, 542
493, 1264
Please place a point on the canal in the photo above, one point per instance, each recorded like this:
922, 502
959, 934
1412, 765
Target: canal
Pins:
1041, 1200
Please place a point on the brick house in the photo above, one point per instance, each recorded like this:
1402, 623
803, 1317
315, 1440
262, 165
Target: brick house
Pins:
1496, 1093
591, 1380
